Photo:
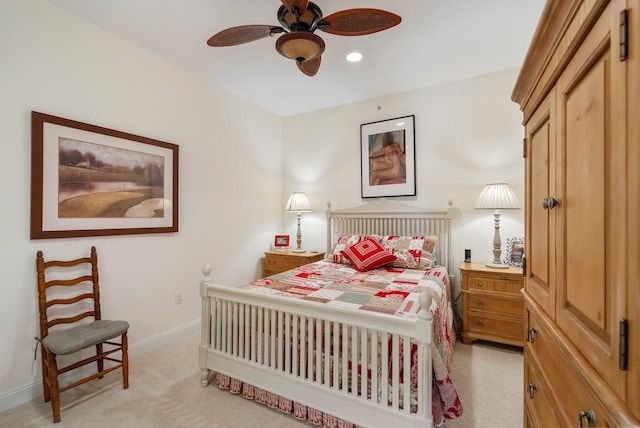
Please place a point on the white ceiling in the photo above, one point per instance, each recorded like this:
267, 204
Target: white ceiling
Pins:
437, 41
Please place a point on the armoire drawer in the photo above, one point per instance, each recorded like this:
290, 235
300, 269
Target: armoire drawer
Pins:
563, 376
538, 402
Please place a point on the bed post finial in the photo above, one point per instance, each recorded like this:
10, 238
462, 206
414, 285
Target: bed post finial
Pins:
327, 214
450, 202
425, 298
206, 270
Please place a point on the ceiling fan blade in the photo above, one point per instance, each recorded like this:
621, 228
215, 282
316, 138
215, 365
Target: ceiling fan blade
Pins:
300, 4
358, 22
242, 34
310, 67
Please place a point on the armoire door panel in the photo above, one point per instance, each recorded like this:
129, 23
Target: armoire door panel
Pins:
585, 202
591, 255
540, 224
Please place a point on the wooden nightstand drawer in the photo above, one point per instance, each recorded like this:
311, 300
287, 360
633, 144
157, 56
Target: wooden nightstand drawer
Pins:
505, 285
280, 261
502, 304
490, 328
283, 262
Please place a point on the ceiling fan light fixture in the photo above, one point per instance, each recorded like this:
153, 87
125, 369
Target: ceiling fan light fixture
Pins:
299, 46
354, 57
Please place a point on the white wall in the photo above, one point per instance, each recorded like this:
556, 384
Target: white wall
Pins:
229, 191
234, 178
468, 134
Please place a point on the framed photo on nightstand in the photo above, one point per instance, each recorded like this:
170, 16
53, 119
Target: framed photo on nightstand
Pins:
281, 241
515, 252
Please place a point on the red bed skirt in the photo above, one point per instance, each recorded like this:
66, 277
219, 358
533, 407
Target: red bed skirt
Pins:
285, 405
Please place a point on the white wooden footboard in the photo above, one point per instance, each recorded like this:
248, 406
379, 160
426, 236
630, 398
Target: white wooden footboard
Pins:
312, 353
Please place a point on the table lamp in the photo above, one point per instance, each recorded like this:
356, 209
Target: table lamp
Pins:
497, 196
298, 203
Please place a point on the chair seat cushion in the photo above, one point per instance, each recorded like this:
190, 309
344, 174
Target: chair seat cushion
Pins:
73, 339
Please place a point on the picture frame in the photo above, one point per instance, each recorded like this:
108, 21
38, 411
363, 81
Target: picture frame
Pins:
515, 252
387, 162
88, 180
281, 241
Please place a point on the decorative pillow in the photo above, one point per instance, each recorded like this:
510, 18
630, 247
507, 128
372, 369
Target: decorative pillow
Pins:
340, 242
429, 248
409, 251
430, 243
367, 254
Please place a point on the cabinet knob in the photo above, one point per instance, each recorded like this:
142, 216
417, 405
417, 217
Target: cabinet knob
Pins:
586, 419
531, 335
549, 203
531, 390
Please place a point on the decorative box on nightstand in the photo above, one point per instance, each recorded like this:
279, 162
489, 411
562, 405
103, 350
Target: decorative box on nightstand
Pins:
280, 261
492, 305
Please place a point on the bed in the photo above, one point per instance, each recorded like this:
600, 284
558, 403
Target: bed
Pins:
329, 341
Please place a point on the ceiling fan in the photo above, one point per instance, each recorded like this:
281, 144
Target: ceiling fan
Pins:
299, 19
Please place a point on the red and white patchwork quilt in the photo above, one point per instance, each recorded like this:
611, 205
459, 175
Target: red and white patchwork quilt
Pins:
392, 291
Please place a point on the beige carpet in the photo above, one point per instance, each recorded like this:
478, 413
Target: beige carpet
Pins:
165, 391
489, 378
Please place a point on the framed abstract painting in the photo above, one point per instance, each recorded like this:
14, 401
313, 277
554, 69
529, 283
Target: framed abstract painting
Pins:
388, 163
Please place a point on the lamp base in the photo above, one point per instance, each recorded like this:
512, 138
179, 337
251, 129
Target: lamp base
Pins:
497, 265
300, 250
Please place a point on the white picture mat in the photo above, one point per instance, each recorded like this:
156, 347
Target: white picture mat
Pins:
50, 221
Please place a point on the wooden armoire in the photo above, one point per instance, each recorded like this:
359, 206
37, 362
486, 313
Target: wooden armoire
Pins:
579, 91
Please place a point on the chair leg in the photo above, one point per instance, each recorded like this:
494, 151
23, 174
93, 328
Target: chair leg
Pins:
100, 362
45, 374
55, 387
125, 361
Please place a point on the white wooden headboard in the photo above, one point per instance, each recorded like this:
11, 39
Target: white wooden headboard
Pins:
389, 217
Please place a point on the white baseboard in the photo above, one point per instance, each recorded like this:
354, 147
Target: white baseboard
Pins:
33, 390
153, 343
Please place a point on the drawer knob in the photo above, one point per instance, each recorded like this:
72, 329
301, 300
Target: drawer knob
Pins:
531, 389
588, 417
480, 302
480, 323
531, 335
480, 284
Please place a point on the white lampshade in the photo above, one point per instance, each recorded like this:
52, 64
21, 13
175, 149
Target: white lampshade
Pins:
497, 196
298, 203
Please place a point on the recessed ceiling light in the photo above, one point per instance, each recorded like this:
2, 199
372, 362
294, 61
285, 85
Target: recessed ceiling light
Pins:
354, 57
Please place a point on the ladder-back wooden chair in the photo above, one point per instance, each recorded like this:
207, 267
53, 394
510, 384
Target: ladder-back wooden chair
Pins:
71, 320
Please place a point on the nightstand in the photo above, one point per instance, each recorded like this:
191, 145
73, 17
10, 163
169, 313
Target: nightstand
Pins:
280, 261
492, 305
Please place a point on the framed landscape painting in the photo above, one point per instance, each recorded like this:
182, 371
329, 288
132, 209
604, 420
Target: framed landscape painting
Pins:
388, 165
92, 181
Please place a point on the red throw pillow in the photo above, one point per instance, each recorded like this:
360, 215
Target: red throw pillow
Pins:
367, 254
